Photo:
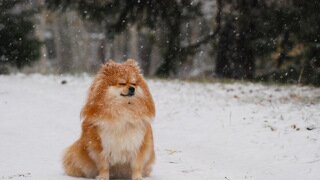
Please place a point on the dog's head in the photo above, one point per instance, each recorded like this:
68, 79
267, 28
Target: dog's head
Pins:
124, 80
120, 88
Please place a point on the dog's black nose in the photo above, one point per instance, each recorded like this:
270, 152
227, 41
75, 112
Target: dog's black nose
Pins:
131, 91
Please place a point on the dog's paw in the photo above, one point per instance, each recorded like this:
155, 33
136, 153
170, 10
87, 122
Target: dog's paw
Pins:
137, 178
102, 178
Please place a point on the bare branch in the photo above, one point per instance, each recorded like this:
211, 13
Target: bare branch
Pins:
206, 39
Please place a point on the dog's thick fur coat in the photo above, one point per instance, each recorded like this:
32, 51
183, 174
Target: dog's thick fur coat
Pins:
116, 138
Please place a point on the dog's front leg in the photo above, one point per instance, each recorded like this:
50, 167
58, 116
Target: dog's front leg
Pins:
136, 172
103, 167
137, 167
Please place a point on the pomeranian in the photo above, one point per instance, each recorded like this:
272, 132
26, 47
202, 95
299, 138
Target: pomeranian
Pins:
116, 139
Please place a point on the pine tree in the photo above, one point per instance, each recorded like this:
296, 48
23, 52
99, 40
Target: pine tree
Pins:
245, 36
252, 30
294, 25
18, 44
304, 31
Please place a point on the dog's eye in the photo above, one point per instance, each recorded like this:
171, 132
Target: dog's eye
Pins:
122, 84
133, 84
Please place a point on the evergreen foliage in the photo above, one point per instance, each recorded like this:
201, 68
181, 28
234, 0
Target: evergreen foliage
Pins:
18, 45
253, 30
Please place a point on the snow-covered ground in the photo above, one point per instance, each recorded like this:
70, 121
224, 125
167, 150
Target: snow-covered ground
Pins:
202, 131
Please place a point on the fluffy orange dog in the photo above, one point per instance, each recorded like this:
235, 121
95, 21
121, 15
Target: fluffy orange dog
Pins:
116, 137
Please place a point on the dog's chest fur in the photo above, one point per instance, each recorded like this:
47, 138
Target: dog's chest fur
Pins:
121, 139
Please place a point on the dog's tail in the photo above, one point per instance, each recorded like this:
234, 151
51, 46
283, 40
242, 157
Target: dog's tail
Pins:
76, 162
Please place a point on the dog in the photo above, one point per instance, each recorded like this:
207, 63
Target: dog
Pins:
116, 138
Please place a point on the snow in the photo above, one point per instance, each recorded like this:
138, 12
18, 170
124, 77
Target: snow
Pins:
226, 131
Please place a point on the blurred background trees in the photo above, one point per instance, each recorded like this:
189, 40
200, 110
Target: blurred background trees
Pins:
270, 40
18, 44
259, 40
168, 16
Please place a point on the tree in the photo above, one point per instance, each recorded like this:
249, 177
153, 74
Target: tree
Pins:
294, 26
252, 30
304, 31
244, 37
167, 15
18, 44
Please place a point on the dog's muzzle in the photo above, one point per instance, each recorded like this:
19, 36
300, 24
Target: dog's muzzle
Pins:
130, 92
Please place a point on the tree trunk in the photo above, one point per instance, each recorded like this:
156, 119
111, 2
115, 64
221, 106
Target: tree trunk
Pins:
284, 48
172, 48
235, 57
65, 45
223, 66
145, 50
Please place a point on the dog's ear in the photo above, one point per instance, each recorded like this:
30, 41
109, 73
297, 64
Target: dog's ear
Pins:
132, 62
109, 62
